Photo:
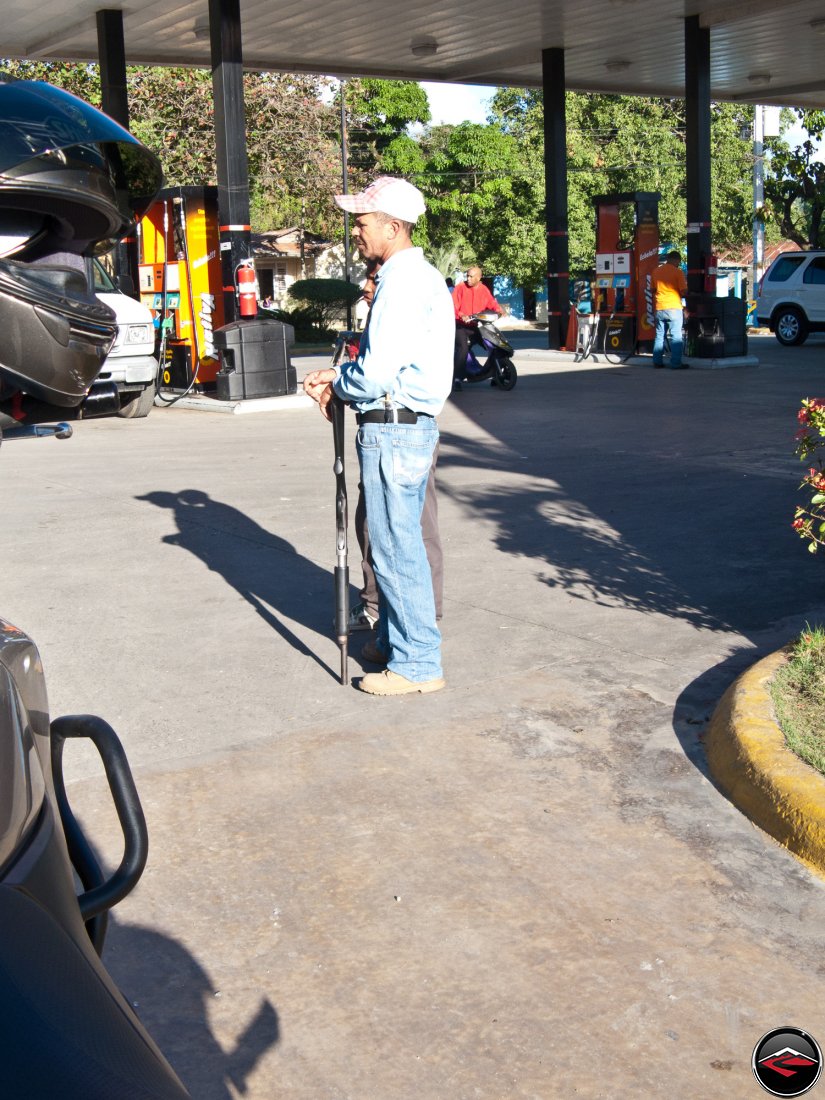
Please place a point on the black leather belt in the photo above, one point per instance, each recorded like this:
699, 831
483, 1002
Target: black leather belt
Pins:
391, 416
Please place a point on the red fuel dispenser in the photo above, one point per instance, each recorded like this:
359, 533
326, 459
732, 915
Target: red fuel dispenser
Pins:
627, 254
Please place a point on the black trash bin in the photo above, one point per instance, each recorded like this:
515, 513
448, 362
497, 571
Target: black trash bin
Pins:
255, 359
717, 328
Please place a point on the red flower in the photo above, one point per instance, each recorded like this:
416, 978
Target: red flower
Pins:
798, 524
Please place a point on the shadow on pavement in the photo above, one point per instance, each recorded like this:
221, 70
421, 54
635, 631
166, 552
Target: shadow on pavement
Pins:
170, 992
651, 511
671, 496
264, 568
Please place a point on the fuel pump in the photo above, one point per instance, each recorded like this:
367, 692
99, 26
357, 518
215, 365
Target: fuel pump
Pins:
181, 282
627, 251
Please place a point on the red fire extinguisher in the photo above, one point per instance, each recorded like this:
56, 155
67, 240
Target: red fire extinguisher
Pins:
711, 268
247, 286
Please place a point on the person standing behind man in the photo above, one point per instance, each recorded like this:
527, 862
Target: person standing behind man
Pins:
469, 297
669, 288
398, 384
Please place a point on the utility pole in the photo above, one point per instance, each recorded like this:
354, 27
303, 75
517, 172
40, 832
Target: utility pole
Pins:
758, 197
345, 174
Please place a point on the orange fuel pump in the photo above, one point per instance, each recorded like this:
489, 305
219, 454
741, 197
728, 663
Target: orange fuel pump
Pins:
181, 282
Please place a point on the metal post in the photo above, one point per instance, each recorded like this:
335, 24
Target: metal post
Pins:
555, 181
230, 144
758, 197
114, 100
112, 52
345, 191
337, 410
697, 152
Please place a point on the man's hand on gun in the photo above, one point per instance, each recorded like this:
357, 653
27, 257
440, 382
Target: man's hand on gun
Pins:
318, 386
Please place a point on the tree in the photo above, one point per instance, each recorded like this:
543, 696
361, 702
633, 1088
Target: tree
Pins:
474, 181
293, 160
380, 115
77, 77
795, 183
614, 144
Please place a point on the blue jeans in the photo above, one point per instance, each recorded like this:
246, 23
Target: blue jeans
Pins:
672, 320
395, 465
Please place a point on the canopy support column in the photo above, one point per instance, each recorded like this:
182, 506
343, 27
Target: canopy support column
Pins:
697, 152
555, 182
230, 144
114, 100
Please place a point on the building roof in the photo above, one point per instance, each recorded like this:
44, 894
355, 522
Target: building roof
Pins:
743, 257
279, 243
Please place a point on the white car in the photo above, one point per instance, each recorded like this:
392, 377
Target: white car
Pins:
791, 298
131, 363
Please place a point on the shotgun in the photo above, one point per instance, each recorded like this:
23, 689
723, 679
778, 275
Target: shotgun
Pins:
337, 408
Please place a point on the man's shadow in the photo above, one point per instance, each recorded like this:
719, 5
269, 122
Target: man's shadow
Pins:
265, 569
170, 992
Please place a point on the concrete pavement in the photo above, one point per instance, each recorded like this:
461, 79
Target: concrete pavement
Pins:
525, 886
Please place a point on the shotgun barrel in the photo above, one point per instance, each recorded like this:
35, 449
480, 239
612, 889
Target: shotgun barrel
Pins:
337, 408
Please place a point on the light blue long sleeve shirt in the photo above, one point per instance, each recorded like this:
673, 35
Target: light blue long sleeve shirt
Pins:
407, 349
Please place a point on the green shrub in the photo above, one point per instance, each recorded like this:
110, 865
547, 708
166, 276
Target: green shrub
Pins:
798, 693
326, 300
308, 329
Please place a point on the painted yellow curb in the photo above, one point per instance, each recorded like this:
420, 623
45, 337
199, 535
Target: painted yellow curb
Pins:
750, 761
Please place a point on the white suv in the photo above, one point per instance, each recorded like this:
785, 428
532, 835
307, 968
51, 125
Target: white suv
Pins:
792, 296
131, 363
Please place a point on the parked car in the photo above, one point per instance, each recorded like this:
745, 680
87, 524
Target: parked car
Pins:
791, 299
131, 364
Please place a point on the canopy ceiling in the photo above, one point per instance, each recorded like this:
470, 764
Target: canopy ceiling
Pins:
761, 50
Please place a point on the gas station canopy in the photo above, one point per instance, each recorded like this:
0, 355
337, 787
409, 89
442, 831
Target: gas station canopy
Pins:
765, 51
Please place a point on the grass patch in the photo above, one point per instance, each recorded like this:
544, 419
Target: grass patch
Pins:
798, 693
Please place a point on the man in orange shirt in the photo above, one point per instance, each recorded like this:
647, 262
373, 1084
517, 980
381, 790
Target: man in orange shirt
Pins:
669, 287
469, 297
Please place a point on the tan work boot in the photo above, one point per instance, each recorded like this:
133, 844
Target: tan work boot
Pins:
390, 683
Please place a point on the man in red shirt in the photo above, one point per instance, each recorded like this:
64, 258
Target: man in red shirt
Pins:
469, 297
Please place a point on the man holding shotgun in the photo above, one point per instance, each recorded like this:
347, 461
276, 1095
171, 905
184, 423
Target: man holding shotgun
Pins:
397, 384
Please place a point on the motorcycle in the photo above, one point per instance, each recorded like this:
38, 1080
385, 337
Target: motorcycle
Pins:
79, 182
498, 366
67, 1030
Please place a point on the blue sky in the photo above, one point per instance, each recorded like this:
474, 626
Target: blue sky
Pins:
454, 103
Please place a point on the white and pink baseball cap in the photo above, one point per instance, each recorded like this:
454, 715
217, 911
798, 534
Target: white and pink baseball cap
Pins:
389, 195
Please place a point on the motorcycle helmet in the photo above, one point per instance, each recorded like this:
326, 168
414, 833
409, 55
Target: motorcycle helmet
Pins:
73, 182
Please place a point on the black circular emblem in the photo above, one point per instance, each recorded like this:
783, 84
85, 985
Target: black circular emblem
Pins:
787, 1062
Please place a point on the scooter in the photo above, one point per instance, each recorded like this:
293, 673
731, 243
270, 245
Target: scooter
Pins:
498, 366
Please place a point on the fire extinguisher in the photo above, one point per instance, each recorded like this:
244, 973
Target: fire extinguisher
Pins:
711, 266
247, 286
